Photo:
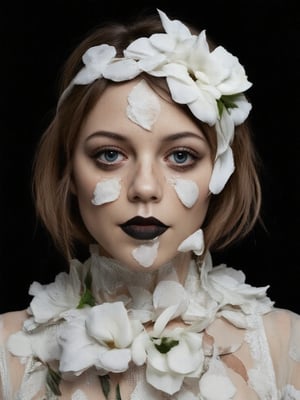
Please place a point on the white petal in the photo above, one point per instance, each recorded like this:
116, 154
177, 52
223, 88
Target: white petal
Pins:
241, 112
115, 326
53, 299
115, 360
138, 348
19, 344
167, 315
166, 382
223, 169
143, 105
174, 27
225, 132
122, 70
106, 191
204, 108
195, 243
139, 49
95, 59
146, 253
183, 89
187, 191
183, 359
168, 293
162, 42
213, 386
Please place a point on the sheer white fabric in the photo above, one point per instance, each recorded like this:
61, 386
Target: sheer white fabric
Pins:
265, 366
250, 350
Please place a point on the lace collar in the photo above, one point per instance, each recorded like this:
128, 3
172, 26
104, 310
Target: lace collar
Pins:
102, 318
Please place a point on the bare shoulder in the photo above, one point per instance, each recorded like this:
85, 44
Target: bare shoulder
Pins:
11, 322
280, 325
281, 318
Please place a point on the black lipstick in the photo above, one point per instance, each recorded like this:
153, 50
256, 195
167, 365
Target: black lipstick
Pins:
143, 228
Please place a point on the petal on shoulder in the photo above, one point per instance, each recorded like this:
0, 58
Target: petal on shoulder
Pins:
11, 322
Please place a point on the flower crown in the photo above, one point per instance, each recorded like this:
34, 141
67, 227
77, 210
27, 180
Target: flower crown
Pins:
210, 83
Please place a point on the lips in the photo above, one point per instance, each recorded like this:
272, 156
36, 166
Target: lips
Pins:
143, 228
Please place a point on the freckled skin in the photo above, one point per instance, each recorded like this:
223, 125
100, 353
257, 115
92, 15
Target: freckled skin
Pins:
145, 162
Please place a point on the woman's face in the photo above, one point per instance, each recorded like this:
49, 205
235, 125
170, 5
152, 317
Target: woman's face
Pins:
141, 172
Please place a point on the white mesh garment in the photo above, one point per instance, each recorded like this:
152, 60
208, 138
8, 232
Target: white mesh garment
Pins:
249, 349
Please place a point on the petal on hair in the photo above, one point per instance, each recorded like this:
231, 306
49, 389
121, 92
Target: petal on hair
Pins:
223, 169
122, 70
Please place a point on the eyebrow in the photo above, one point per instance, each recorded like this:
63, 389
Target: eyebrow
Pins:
180, 135
169, 138
108, 134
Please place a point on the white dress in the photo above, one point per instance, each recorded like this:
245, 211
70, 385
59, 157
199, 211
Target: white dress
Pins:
101, 332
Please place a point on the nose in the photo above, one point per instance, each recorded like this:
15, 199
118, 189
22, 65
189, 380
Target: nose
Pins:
145, 183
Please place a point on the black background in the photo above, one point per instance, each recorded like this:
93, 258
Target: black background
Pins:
36, 38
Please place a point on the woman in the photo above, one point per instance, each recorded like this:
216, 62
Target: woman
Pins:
149, 163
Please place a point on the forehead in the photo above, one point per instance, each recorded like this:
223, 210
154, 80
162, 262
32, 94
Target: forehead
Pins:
110, 111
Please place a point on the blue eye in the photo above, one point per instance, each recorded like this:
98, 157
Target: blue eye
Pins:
109, 157
182, 157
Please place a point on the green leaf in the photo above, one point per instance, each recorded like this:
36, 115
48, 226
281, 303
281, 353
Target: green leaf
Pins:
105, 385
226, 101
118, 393
53, 380
87, 298
165, 344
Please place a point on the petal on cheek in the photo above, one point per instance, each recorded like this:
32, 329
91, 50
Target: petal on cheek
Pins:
146, 253
186, 190
106, 191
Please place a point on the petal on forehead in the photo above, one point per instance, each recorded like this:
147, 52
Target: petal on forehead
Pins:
143, 105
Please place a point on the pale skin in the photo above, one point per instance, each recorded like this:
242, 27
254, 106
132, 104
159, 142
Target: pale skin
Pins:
110, 146
148, 165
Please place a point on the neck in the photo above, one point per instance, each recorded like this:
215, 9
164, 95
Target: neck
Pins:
181, 265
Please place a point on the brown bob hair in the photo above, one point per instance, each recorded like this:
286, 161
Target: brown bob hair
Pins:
231, 214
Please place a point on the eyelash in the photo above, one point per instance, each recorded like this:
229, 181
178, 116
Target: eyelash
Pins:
189, 154
194, 156
104, 151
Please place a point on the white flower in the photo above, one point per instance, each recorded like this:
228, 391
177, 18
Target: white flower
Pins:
33, 345
169, 358
210, 83
196, 76
100, 336
227, 286
52, 300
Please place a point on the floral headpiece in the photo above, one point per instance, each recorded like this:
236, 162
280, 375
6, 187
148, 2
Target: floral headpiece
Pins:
210, 83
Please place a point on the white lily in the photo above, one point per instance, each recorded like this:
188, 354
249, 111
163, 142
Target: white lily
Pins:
52, 300
169, 358
106, 345
227, 286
